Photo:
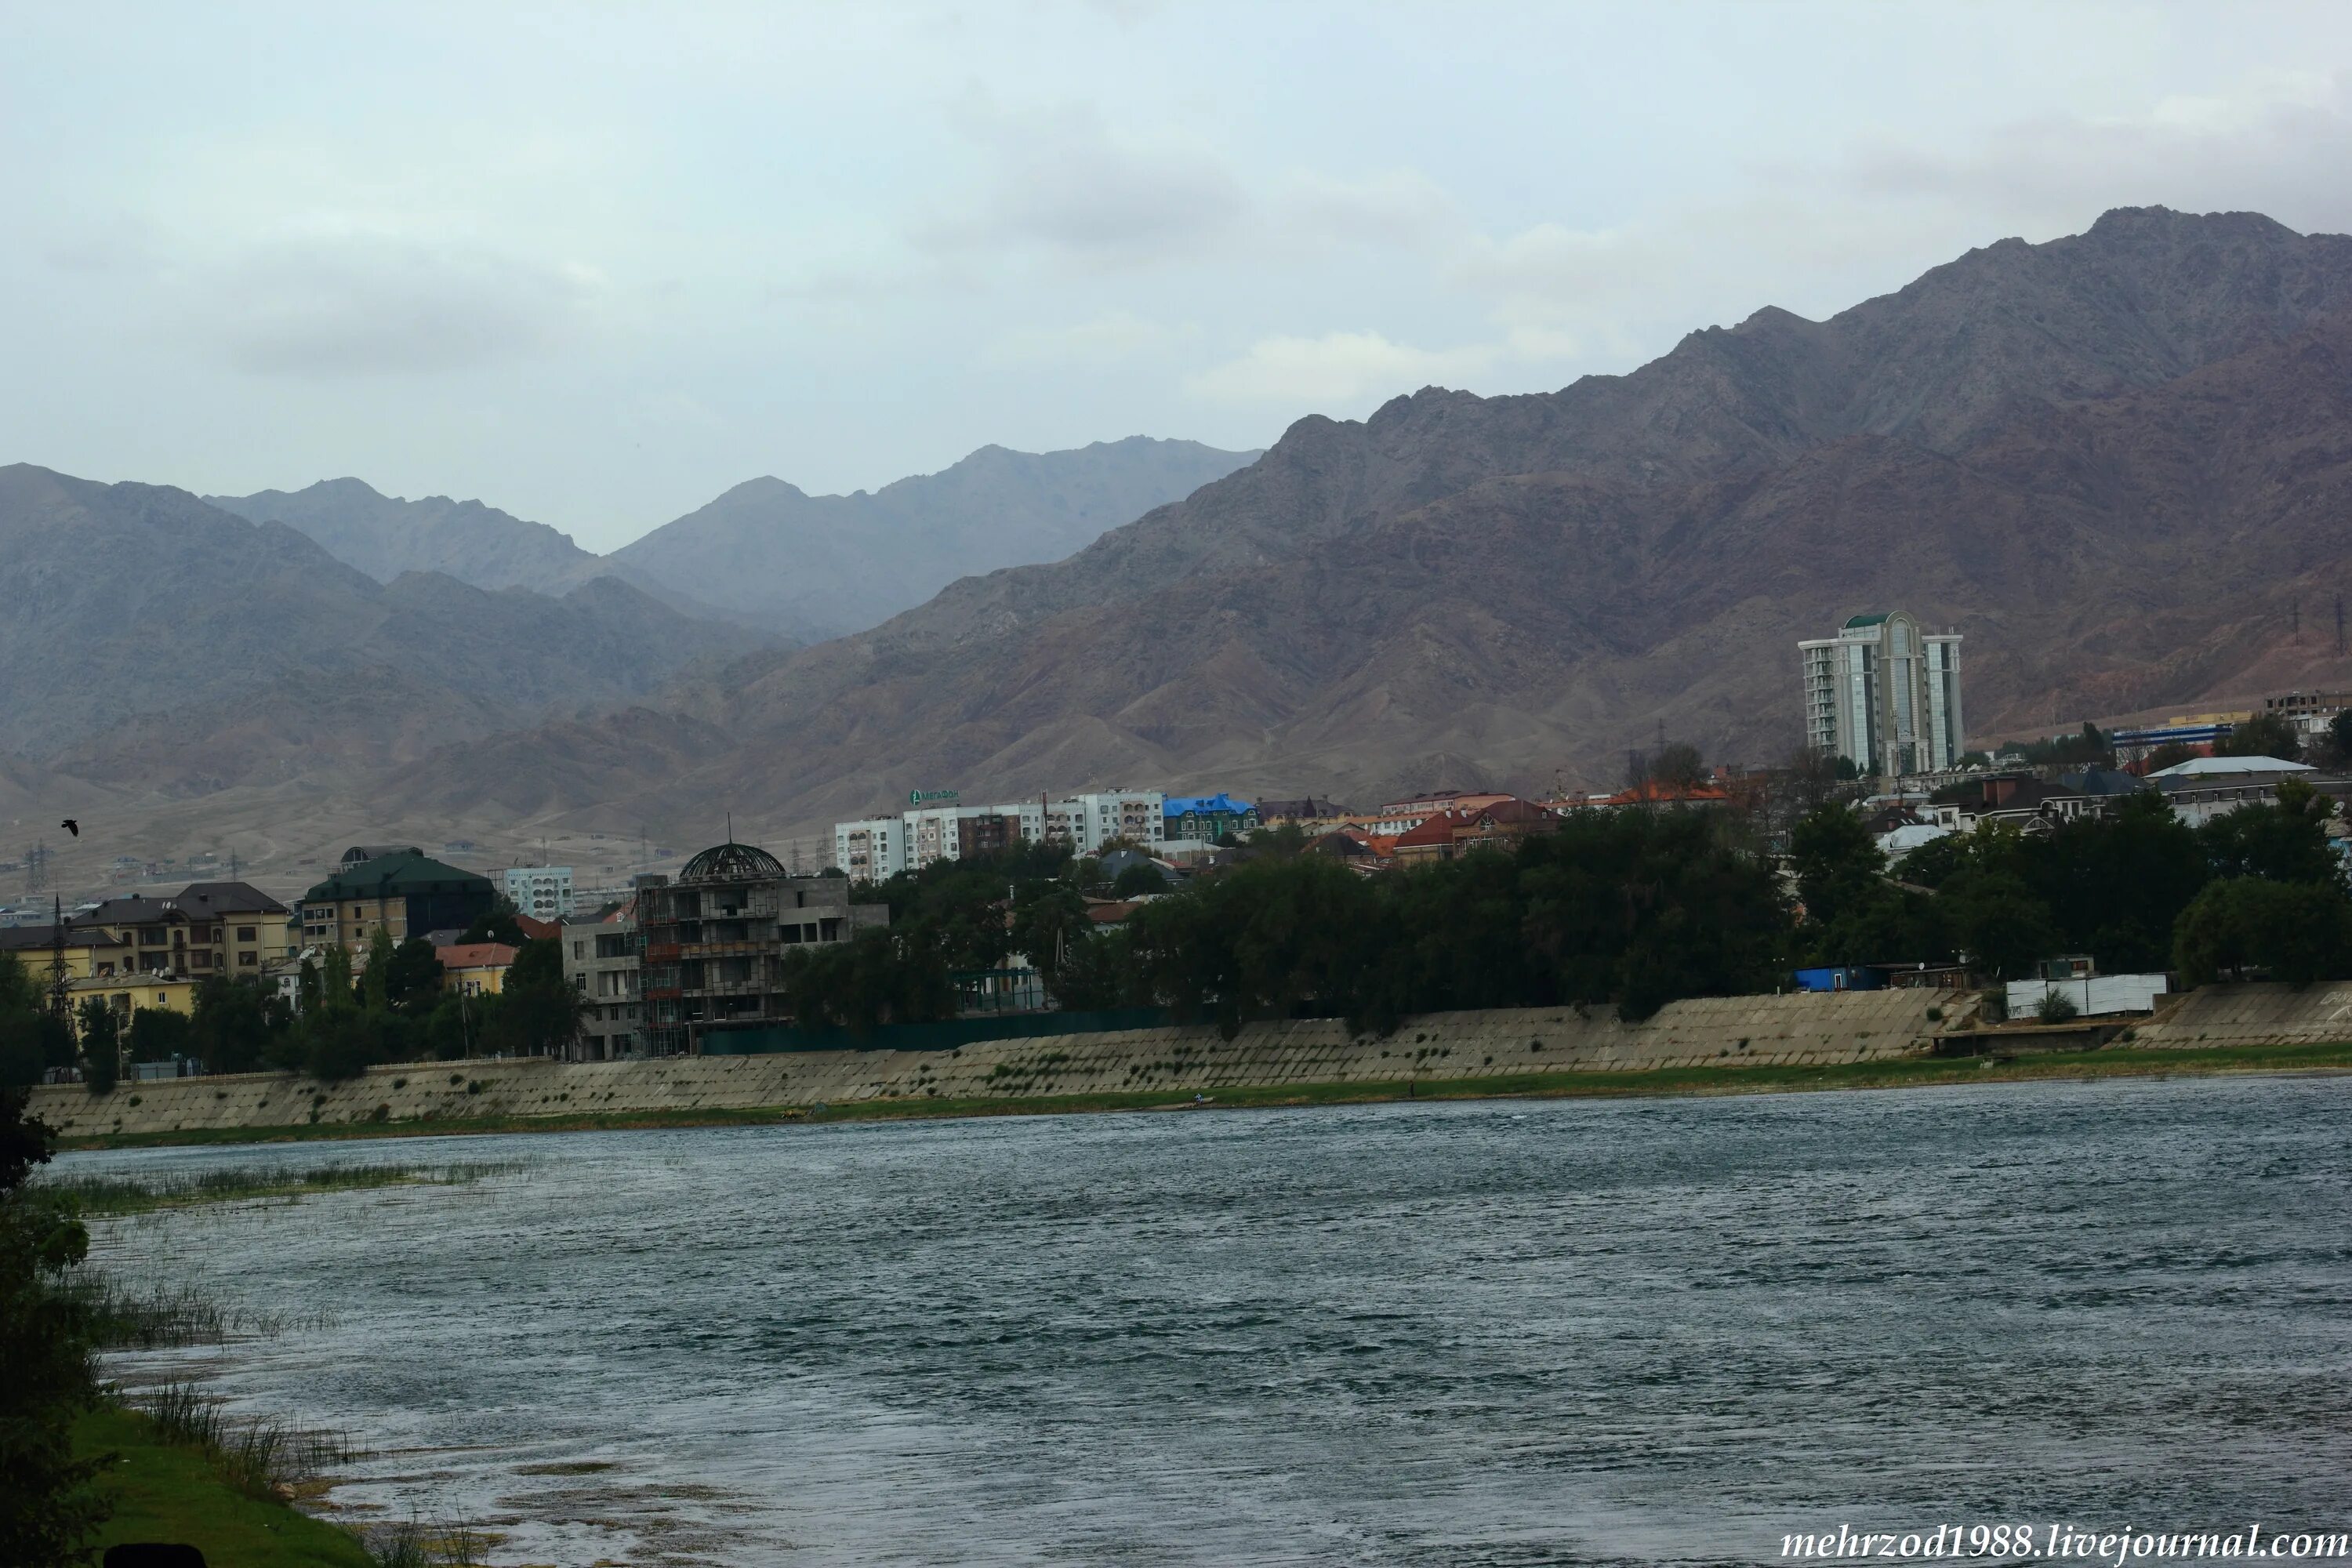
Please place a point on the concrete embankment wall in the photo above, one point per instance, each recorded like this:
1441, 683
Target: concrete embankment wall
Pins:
2253, 1014
1806, 1030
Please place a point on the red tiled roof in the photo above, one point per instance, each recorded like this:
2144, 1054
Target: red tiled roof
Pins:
537, 930
477, 956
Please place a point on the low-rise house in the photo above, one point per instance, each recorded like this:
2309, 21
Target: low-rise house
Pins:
475, 968
89, 951
1450, 833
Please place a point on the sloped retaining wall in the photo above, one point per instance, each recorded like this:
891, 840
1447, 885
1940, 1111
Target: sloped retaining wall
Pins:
2251, 1015
1717, 1032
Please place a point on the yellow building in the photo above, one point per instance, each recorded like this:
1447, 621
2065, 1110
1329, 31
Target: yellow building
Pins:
129, 994
90, 952
475, 968
229, 929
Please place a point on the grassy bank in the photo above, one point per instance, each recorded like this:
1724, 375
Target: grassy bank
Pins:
165, 1491
1913, 1072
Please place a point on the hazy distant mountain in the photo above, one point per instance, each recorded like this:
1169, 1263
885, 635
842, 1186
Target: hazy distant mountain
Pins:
140, 628
384, 536
822, 565
2115, 461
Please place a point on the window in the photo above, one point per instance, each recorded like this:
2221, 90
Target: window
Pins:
246, 933
248, 960
578, 950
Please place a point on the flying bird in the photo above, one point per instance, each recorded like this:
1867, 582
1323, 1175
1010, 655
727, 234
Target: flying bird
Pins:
70, 826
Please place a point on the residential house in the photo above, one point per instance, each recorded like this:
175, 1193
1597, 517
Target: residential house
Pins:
1087, 822
475, 968
89, 951
1451, 833
1405, 815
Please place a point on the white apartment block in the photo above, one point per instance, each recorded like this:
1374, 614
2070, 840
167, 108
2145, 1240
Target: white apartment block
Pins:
951, 832
1087, 822
1885, 696
542, 892
870, 851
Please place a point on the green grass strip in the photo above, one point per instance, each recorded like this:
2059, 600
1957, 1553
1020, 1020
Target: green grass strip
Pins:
1902, 1073
169, 1493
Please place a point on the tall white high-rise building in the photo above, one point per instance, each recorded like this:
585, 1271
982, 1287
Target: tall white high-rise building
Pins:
1885, 696
1087, 822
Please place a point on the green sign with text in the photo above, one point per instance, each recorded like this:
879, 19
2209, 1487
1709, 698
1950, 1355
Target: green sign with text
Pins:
929, 797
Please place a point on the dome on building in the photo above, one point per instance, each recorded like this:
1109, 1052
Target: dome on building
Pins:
732, 862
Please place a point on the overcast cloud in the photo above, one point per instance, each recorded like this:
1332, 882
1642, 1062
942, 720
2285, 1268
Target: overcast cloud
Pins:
596, 265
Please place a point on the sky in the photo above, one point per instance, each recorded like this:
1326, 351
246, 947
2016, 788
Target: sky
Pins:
594, 264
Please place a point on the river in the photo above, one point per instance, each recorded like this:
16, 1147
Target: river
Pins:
1574, 1332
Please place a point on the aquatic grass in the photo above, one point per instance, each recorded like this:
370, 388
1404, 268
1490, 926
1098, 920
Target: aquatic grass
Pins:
145, 1316
414, 1543
261, 1458
107, 1196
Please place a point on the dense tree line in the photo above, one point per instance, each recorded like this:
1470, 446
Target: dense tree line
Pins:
1628, 908
2256, 889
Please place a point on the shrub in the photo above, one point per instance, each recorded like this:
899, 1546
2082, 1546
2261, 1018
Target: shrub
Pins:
2055, 1007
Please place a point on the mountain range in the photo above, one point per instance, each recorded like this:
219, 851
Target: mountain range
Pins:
767, 554
2118, 463
2113, 461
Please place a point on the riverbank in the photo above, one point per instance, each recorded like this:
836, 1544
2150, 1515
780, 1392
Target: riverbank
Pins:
1904, 1073
166, 1492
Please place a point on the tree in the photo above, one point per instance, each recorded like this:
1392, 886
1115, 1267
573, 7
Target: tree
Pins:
1677, 765
498, 924
2264, 735
2283, 841
158, 1034
2170, 754
1836, 861
2115, 885
335, 993
102, 1045
413, 980
2295, 932
1999, 923
50, 1502
233, 1028
539, 1010
1143, 879
2336, 751
375, 983
32, 1038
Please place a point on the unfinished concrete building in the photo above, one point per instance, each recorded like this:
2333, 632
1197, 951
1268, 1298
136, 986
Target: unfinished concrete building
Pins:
714, 941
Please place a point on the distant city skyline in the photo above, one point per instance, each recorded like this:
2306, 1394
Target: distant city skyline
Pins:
597, 275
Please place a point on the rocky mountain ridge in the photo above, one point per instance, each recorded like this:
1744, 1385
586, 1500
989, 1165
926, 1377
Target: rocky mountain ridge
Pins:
2043, 445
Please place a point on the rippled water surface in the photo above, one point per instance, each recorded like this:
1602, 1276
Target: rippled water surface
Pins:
1505, 1332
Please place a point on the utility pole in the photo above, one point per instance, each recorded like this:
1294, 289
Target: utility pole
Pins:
60, 993
2339, 625
36, 867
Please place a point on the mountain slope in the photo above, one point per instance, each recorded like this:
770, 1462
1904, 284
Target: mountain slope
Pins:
134, 618
2110, 460
822, 565
384, 536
